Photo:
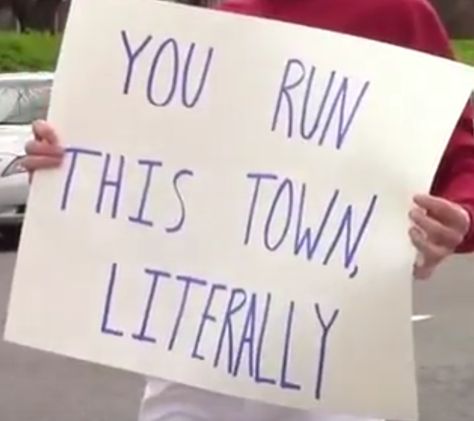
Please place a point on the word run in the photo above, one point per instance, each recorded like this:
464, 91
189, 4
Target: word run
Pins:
240, 331
320, 107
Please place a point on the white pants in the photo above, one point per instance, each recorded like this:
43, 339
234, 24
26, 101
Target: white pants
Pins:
164, 401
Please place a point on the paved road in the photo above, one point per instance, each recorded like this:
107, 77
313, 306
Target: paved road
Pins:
40, 387
36, 386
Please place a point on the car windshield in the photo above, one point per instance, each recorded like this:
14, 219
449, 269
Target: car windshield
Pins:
23, 101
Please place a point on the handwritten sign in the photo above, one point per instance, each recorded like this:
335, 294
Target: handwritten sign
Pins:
232, 210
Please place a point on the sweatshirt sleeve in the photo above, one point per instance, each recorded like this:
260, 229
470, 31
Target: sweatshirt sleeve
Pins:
454, 179
235, 6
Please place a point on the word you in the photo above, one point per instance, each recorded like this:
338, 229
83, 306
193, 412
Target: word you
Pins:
172, 60
239, 330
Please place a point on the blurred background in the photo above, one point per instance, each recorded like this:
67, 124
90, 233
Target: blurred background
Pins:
35, 386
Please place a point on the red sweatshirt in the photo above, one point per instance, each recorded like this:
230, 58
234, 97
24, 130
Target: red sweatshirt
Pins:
407, 23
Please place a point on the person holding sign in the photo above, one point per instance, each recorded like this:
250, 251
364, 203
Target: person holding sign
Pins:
441, 221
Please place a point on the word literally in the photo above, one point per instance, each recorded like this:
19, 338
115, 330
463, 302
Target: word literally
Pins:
111, 182
167, 60
330, 114
240, 329
284, 218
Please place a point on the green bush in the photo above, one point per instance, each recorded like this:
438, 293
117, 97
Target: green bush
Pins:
28, 52
39, 52
465, 51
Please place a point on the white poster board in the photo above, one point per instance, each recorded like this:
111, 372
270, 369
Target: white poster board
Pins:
232, 211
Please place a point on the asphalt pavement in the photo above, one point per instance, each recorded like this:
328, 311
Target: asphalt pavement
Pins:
35, 386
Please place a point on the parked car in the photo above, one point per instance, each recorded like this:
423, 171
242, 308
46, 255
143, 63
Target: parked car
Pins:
24, 98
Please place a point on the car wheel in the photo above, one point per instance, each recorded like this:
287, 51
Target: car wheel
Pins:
10, 235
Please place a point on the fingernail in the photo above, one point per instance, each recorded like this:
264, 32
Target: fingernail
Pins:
415, 232
419, 233
419, 260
